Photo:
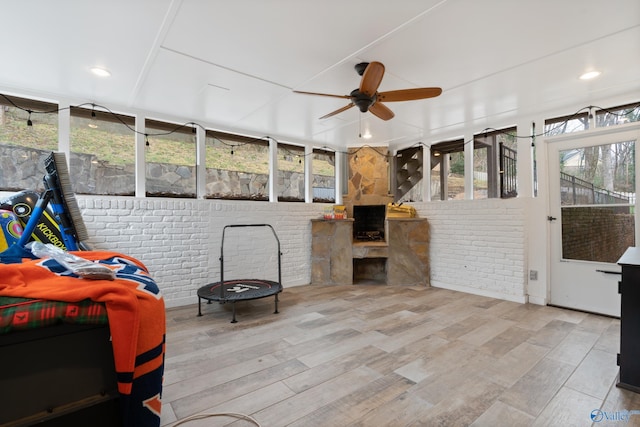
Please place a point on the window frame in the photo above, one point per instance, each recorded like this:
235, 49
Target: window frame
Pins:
281, 188
332, 156
233, 141
158, 129
28, 159
102, 169
496, 173
443, 150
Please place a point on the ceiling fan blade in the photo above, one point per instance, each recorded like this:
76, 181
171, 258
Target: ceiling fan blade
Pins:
324, 94
371, 78
409, 94
381, 111
345, 108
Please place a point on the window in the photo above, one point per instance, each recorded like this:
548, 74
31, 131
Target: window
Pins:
102, 152
447, 170
25, 140
597, 195
324, 176
290, 173
237, 167
170, 160
618, 115
494, 164
566, 124
604, 117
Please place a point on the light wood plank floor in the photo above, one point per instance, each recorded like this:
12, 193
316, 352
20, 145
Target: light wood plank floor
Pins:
376, 355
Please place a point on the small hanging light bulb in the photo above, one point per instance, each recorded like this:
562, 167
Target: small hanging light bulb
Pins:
299, 160
232, 150
93, 123
29, 122
146, 139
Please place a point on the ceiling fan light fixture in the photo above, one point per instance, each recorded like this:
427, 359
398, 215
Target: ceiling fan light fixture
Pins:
589, 75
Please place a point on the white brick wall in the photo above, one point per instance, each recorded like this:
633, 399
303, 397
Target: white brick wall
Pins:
180, 240
479, 246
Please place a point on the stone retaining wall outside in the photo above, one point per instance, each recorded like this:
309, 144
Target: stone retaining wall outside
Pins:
22, 168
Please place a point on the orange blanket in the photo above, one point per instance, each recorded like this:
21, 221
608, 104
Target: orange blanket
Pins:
136, 320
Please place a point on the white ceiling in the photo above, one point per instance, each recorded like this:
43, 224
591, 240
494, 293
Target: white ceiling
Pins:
233, 65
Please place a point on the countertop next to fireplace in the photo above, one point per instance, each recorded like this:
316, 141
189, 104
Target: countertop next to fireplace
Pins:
404, 254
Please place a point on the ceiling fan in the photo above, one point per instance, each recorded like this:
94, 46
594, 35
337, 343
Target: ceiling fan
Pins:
367, 97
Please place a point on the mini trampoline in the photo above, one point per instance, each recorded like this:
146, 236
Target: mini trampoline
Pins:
231, 291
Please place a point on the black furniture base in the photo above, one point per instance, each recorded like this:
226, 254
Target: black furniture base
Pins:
60, 375
629, 288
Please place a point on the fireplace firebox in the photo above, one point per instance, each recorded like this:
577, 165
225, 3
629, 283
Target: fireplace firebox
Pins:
368, 222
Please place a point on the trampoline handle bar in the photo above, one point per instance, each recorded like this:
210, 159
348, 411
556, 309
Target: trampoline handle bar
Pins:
222, 291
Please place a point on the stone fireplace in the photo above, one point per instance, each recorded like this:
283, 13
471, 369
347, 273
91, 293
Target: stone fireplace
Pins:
369, 247
368, 222
368, 178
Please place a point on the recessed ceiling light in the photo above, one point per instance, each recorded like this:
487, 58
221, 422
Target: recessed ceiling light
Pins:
100, 72
590, 75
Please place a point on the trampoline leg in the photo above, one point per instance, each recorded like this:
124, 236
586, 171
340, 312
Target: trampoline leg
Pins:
234, 313
276, 312
199, 309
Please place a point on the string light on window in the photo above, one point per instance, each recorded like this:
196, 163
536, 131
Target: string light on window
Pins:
93, 124
355, 156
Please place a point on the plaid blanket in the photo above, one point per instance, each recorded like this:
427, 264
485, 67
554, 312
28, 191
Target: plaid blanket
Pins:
19, 314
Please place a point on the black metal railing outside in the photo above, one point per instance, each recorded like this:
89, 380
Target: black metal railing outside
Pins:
508, 172
576, 191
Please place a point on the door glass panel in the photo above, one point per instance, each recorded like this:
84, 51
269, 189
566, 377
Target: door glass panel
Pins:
597, 193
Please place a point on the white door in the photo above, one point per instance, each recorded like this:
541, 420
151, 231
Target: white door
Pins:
592, 217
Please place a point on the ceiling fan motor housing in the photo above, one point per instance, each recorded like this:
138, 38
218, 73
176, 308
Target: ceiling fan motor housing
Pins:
362, 100
361, 67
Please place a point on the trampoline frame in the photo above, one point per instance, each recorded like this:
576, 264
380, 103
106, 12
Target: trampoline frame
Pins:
261, 292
